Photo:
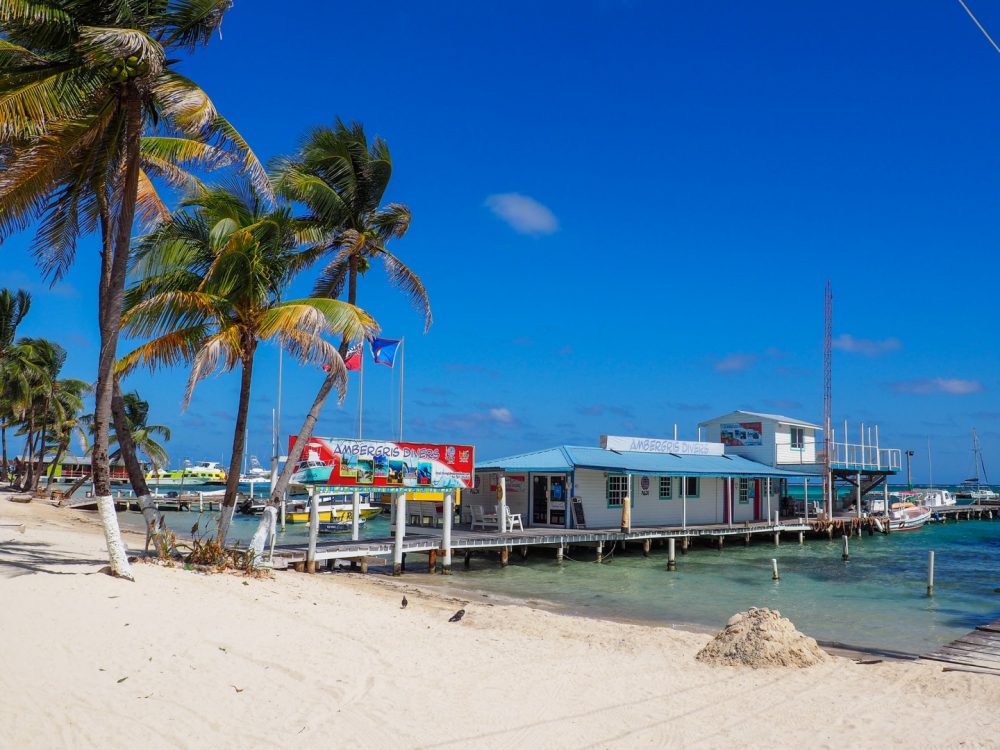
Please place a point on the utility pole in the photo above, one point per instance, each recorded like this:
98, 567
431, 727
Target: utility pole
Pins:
909, 477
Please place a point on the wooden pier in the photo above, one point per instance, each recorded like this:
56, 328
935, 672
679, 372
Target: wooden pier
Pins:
978, 651
463, 539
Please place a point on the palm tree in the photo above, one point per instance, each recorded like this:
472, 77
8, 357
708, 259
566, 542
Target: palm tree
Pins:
62, 421
32, 367
209, 290
341, 179
13, 307
81, 82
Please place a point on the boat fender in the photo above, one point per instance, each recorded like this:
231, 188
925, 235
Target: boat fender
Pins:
878, 525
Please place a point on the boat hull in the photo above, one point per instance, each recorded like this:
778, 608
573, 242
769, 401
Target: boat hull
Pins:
326, 514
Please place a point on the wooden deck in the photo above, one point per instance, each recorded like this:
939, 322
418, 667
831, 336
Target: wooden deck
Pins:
979, 650
424, 539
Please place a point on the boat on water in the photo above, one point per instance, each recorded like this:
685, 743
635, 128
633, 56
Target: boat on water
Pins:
338, 527
906, 516
330, 509
202, 472
930, 497
256, 472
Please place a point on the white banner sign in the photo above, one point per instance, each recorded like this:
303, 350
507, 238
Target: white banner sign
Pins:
655, 445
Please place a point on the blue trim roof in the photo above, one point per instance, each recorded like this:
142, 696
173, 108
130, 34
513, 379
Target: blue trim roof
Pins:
568, 457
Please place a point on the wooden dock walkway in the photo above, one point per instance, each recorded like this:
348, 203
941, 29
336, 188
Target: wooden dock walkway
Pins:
425, 539
979, 650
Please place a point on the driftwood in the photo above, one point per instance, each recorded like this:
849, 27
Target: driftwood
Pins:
20, 498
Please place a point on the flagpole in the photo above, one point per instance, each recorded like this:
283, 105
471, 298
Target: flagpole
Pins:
402, 339
361, 387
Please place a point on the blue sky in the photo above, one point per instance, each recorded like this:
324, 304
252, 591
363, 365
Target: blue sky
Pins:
625, 214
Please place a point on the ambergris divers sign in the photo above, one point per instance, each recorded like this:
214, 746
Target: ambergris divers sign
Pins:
656, 445
343, 462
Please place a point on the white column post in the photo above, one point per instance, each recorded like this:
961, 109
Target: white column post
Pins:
857, 509
502, 505
449, 515
684, 502
356, 516
313, 530
805, 500
768, 480
397, 549
732, 506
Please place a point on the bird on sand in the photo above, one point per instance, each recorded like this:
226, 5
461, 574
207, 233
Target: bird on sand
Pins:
457, 616
403, 606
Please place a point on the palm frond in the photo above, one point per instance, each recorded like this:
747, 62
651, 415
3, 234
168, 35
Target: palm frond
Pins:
171, 349
401, 277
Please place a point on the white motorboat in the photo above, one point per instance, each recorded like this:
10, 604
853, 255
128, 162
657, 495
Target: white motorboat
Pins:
907, 517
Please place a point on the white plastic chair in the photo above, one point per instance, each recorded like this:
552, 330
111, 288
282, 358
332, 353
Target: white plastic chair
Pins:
480, 518
513, 519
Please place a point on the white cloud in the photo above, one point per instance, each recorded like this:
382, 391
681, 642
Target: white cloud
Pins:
735, 362
523, 213
954, 386
502, 414
869, 347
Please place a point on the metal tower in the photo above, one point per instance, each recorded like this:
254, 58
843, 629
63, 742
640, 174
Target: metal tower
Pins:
828, 384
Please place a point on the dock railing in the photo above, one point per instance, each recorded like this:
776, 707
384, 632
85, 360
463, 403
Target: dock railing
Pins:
863, 457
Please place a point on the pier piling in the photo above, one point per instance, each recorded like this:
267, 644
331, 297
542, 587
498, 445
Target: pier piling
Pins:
645, 548
504, 556
930, 573
774, 570
685, 543
671, 559
600, 552
449, 517
397, 549
468, 559
313, 531
559, 553
432, 559
846, 553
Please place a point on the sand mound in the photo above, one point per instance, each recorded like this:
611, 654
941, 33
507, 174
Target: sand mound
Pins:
762, 638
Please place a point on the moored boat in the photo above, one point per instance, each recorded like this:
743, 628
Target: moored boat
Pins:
297, 511
338, 527
906, 516
203, 472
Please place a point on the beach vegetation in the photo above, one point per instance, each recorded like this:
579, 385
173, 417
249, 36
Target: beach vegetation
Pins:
92, 111
208, 289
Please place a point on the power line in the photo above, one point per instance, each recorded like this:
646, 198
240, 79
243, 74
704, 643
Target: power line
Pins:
976, 21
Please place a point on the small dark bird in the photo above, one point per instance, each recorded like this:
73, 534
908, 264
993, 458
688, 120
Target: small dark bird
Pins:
457, 616
404, 602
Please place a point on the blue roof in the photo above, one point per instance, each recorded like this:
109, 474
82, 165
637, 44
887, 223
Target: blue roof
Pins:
568, 457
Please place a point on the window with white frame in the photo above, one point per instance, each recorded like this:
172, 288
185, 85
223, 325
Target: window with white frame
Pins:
798, 438
744, 491
666, 488
617, 490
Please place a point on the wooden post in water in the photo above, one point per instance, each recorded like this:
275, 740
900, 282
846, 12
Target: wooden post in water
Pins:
313, 530
397, 549
774, 570
559, 554
645, 548
930, 573
432, 559
201, 502
449, 517
468, 559
504, 556
671, 559
685, 543
364, 565
846, 553
720, 537
600, 552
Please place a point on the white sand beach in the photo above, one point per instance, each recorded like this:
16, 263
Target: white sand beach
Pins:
185, 659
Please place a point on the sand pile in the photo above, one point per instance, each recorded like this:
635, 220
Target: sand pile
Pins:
762, 638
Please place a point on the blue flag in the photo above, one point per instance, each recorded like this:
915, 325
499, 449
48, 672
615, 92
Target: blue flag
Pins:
384, 351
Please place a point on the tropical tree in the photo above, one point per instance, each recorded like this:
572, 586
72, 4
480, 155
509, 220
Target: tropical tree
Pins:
13, 307
209, 290
340, 179
33, 366
67, 421
81, 82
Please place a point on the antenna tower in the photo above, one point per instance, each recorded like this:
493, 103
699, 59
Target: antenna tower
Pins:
828, 376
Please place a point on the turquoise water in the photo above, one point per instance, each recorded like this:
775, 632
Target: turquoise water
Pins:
876, 600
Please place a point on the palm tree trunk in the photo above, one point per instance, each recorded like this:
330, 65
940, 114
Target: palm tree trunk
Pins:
114, 264
136, 476
312, 416
60, 452
41, 448
29, 445
239, 440
3, 439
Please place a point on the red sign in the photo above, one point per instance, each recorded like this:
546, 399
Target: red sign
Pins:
336, 462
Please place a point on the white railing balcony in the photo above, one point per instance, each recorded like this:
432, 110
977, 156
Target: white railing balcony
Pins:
860, 457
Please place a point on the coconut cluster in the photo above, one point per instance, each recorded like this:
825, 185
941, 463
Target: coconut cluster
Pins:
762, 638
129, 67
